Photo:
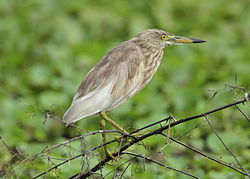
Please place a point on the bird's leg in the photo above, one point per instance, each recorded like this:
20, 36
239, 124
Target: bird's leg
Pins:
115, 125
106, 151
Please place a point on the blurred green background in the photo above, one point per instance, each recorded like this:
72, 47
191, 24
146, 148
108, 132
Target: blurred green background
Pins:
47, 46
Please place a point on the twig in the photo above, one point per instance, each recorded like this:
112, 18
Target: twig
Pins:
123, 172
14, 154
154, 161
154, 132
206, 155
118, 166
55, 167
243, 113
220, 139
49, 149
75, 157
235, 87
150, 125
190, 130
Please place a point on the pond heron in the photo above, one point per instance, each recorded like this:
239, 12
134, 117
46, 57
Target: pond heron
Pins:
122, 72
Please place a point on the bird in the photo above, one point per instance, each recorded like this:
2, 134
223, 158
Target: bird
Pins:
123, 72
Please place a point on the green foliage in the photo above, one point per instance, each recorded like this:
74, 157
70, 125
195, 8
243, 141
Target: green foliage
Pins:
47, 46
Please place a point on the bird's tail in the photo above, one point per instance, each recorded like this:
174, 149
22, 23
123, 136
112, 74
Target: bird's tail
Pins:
77, 111
87, 105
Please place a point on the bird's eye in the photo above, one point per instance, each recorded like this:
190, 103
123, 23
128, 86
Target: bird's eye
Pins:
164, 37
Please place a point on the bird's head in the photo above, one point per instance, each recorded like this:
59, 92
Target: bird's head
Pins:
162, 39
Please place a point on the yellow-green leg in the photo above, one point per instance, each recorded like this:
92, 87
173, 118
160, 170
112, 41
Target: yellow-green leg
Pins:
115, 125
102, 127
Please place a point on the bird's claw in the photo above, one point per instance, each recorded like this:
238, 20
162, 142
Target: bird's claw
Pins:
110, 154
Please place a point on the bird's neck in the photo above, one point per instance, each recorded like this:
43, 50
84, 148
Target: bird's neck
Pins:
147, 47
152, 55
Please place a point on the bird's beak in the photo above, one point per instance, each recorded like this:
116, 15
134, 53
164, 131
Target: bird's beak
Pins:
179, 39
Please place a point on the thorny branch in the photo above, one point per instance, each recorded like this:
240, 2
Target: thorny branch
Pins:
228, 149
205, 155
155, 132
65, 143
136, 140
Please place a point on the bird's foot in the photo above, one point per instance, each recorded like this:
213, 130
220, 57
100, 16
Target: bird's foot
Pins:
108, 154
139, 134
131, 137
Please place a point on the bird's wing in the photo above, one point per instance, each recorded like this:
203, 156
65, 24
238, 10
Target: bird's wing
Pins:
124, 57
107, 83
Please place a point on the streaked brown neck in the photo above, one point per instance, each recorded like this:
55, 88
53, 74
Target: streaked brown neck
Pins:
152, 58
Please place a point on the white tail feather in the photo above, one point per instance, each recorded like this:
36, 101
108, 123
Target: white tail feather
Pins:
90, 104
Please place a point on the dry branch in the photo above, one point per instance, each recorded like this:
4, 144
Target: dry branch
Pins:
155, 132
